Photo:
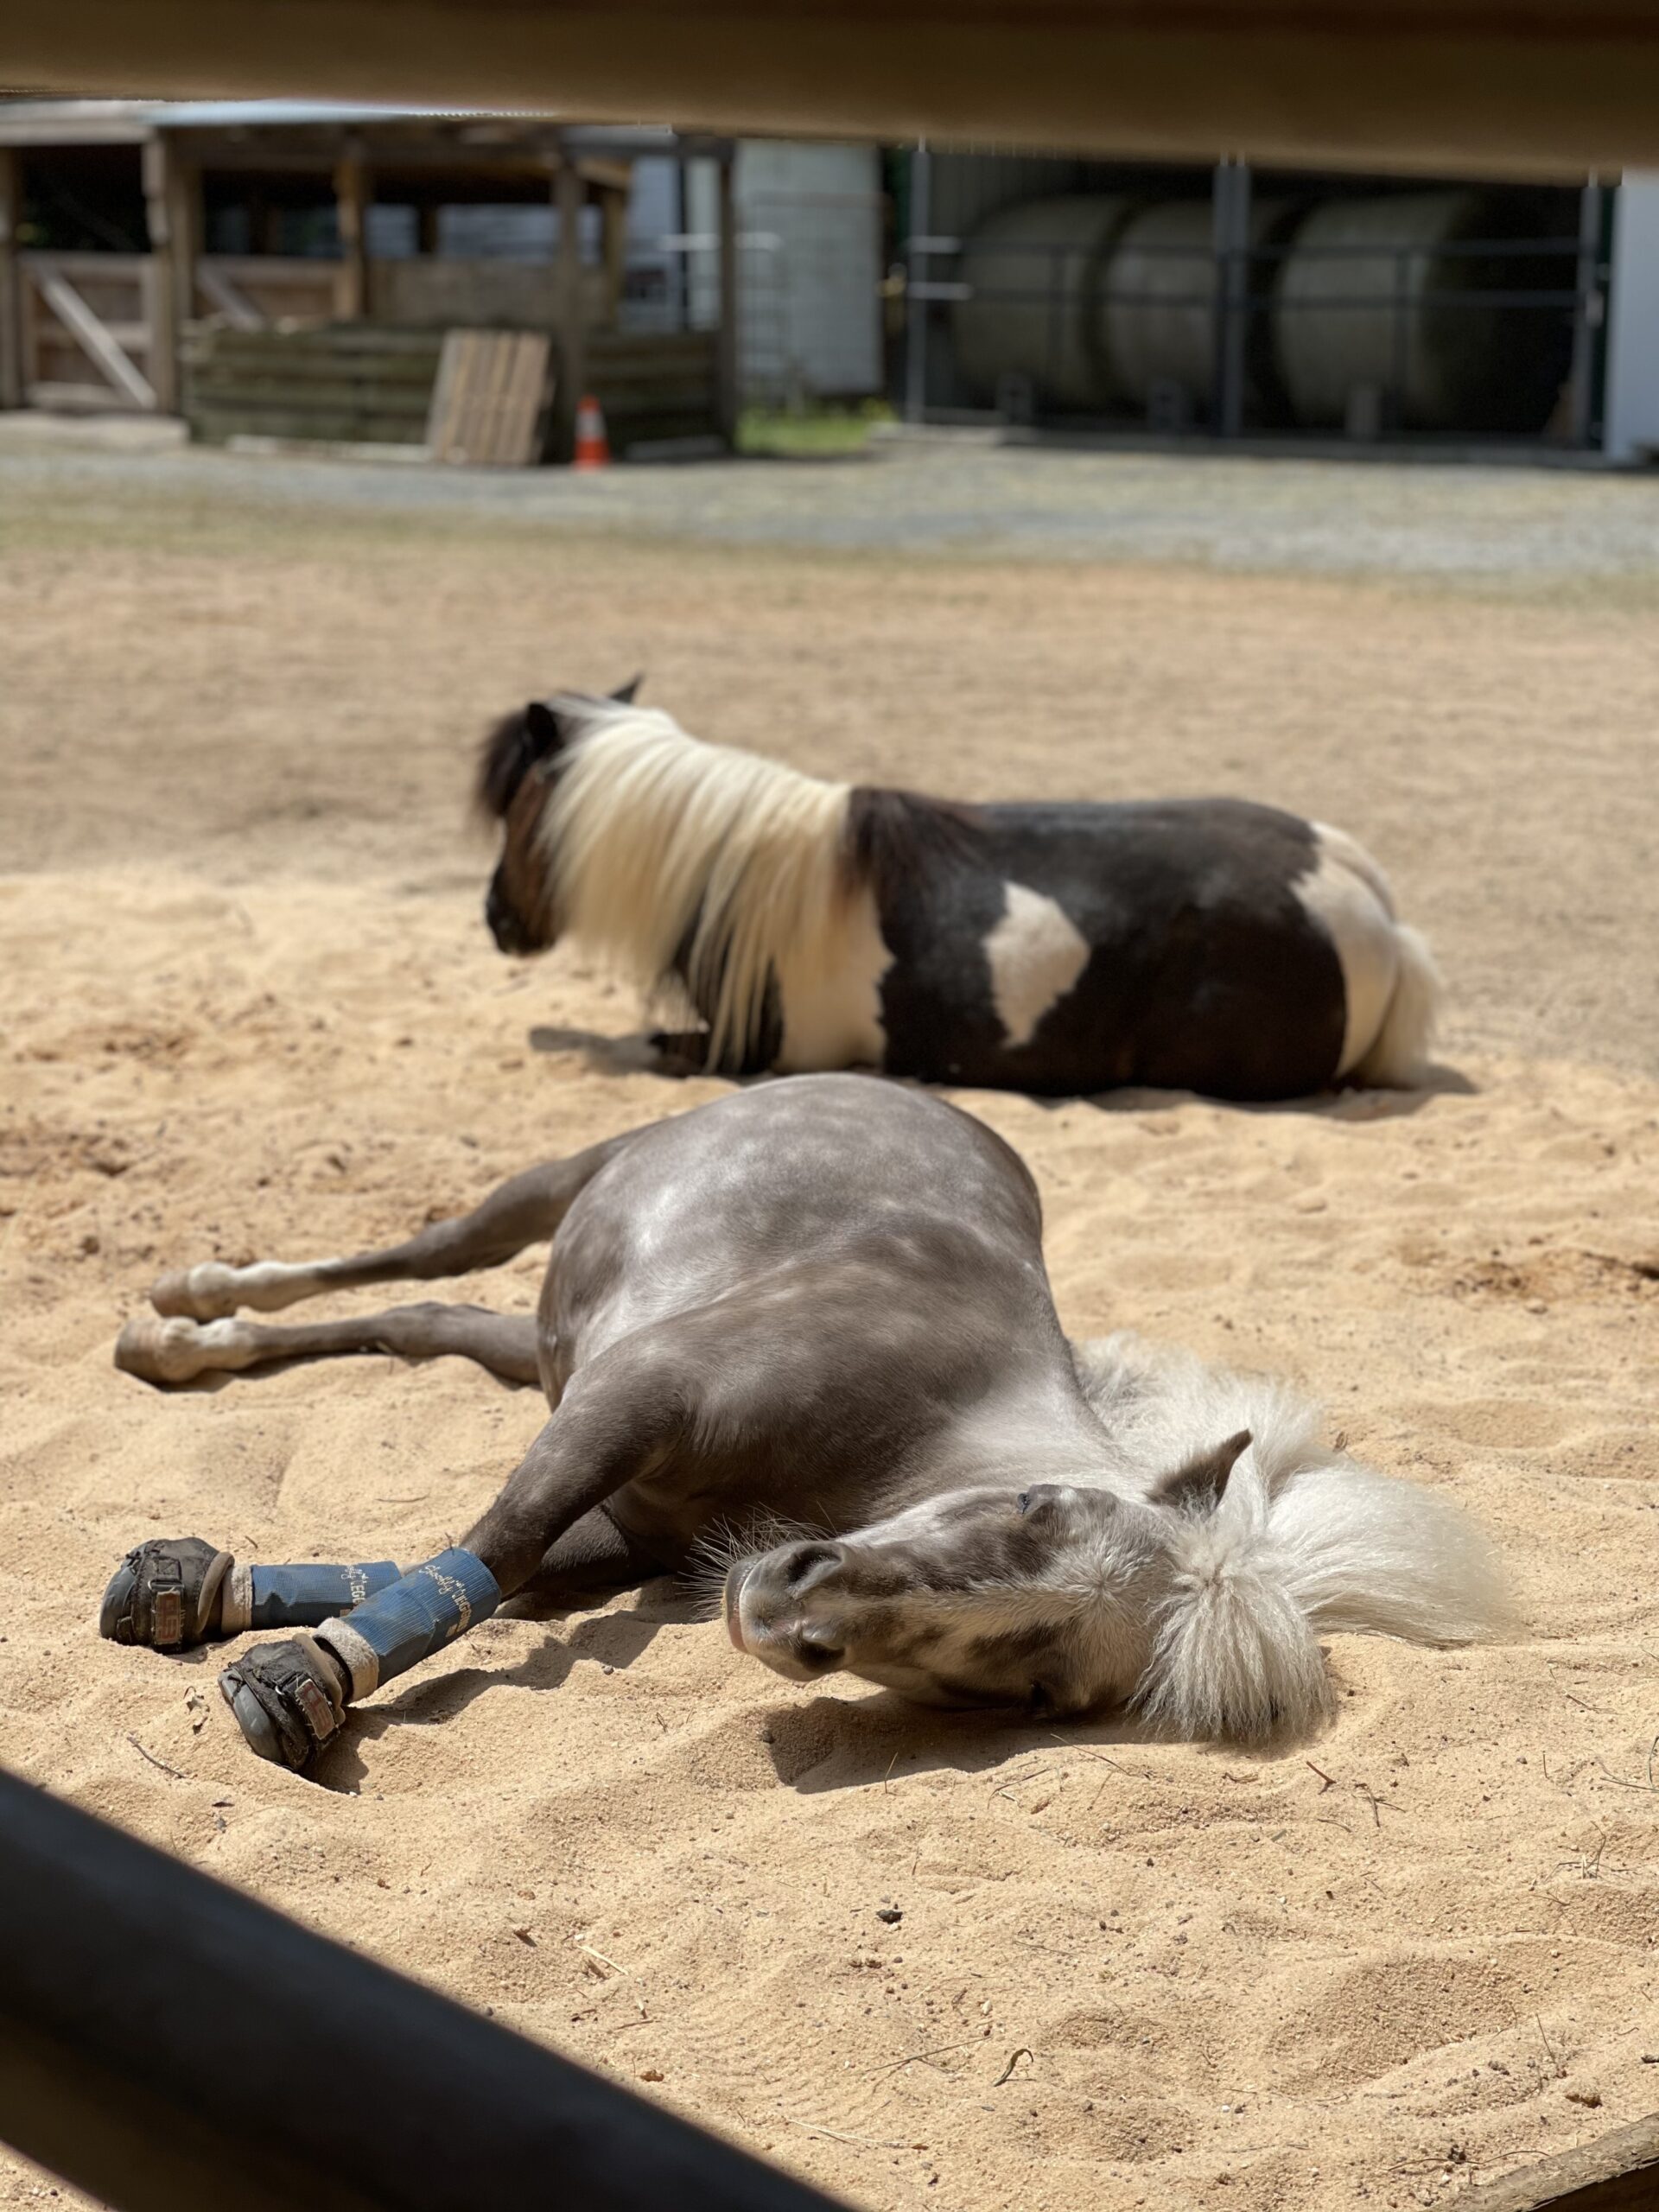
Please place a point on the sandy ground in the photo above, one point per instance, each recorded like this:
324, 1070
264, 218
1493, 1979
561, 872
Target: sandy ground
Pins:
250, 1010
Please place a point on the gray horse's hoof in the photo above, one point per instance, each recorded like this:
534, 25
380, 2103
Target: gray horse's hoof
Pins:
165, 1593
287, 1700
204, 1293
178, 1351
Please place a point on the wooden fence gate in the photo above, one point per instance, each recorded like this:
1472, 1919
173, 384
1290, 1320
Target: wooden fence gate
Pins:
86, 321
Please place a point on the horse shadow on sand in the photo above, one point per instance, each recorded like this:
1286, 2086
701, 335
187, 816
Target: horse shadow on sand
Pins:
645, 1052
1350, 1105
825, 1743
613, 1641
814, 1744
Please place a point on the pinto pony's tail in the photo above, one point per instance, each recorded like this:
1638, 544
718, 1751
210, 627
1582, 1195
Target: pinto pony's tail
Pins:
1397, 1055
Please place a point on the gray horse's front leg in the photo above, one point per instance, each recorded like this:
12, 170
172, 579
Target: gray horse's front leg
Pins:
173, 1592
290, 1698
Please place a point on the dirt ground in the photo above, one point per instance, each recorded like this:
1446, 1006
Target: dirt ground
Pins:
250, 1010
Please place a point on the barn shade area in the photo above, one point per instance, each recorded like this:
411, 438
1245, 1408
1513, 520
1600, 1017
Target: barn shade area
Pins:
289, 268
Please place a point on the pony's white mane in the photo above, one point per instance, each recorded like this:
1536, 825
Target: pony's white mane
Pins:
1305, 1541
653, 838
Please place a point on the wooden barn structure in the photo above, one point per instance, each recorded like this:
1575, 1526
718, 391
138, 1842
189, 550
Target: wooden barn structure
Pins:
218, 260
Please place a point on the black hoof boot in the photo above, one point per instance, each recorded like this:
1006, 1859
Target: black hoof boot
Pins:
286, 1699
165, 1593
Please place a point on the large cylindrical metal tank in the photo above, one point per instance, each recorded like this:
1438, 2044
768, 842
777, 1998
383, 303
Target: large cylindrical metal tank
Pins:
1385, 295
1033, 272
1156, 314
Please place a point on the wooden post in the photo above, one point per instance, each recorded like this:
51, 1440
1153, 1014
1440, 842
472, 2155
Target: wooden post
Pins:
164, 310
351, 202
727, 395
614, 213
1614, 2173
571, 308
188, 226
11, 306
172, 209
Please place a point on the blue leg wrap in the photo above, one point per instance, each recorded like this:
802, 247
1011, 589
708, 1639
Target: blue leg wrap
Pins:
307, 1594
414, 1617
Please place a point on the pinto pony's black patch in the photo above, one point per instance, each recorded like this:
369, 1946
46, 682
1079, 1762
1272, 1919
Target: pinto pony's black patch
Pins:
519, 742
511, 749
892, 834
1204, 971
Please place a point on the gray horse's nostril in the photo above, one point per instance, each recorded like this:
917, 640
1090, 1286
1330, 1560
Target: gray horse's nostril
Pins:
807, 1565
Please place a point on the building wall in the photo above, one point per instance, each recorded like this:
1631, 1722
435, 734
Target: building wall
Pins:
810, 218
1631, 414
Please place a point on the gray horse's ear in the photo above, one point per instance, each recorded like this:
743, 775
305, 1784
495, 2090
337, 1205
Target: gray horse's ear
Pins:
628, 692
1198, 1486
541, 727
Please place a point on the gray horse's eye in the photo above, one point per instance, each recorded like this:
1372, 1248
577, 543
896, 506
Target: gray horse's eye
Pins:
1023, 1501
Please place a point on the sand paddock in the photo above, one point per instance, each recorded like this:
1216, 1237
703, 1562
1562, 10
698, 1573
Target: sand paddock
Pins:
251, 1010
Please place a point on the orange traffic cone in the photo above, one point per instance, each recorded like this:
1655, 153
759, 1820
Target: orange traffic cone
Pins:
593, 445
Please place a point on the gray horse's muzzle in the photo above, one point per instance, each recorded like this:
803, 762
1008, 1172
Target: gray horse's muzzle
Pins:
762, 1604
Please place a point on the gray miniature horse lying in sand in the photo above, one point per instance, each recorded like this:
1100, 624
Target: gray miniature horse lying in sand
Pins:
822, 1304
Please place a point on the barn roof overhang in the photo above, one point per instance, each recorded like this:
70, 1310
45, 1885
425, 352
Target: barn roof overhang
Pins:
253, 133
1494, 85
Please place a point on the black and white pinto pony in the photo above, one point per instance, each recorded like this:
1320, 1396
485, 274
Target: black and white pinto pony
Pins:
1213, 945
805, 1333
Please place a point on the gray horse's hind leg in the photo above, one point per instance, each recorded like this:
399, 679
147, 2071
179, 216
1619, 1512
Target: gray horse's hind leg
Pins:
526, 1210
178, 1351
174, 1592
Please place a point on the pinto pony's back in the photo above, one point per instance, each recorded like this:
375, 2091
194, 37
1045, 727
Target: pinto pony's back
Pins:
1214, 945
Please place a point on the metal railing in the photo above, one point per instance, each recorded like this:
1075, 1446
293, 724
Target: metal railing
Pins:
1240, 286
166, 2040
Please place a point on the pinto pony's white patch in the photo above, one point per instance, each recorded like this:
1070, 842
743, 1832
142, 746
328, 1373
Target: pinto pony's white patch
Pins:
1390, 983
658, 844
1036, 953
1304, 1541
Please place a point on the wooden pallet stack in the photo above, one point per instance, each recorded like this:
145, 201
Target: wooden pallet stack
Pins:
364, 383
654, 384
355, 383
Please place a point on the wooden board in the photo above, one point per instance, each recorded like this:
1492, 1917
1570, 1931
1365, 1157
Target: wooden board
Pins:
355, 384
1618, 2172
654, 384
1555, 85
490, 404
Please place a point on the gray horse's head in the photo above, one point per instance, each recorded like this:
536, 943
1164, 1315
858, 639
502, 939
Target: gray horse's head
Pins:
1045, 1599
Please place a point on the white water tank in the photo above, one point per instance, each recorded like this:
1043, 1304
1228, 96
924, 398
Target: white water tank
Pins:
1384, 297
1033, 272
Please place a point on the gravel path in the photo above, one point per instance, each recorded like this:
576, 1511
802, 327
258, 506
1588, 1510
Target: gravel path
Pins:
960, 493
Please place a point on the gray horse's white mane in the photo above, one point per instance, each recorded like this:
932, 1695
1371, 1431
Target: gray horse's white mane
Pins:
1304, 1541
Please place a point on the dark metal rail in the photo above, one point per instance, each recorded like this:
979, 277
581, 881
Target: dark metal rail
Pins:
166, 2042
